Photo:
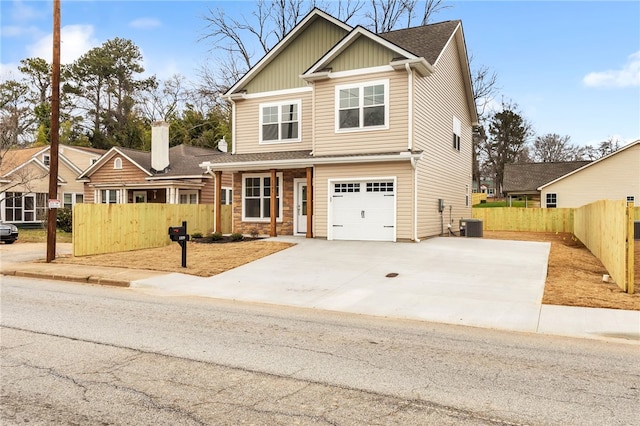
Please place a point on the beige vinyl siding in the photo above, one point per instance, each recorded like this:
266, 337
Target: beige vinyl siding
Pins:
34, 177
70, 184
248, 124
443, 172
614, 178
329, 142
284, 71
403, 173
82, 160
362, 53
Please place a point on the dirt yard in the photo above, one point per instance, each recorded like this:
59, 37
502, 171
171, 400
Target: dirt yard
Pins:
574, 275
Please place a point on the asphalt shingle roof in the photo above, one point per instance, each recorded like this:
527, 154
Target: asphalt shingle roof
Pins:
184, 160
528, 177
426, 41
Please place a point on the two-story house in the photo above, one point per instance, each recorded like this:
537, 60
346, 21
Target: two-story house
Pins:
24, 181
344, 134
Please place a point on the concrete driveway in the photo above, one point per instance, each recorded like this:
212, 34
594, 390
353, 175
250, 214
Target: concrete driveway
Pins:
466, 281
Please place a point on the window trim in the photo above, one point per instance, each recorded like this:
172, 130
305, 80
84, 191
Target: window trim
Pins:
107, 191
226, 196
188, 193
279, 176
261, 107
457, 133
360, 87
551, 196
74, 198
117, 164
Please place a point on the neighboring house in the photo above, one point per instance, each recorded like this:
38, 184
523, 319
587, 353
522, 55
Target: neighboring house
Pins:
164, 175
612, 177
524, 179
358, 136
487, 186
24, 181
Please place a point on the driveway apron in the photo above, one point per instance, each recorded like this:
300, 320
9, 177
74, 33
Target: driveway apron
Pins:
467, 281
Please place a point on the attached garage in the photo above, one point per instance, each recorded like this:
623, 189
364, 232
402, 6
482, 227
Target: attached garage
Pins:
362, 209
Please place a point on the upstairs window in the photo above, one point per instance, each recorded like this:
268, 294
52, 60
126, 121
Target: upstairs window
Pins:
46, 159
362, 106
117, 163
552, 200
457, 131
280, 122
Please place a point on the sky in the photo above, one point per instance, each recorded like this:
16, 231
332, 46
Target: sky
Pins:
572, 67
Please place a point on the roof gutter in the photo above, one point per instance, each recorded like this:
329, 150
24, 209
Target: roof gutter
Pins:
308, 162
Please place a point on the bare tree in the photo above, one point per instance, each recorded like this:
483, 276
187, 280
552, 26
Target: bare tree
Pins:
431, 7
163, 100
553, 147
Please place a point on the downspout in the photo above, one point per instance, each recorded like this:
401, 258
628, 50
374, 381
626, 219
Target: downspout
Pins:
410, 148
410, 107
233, 125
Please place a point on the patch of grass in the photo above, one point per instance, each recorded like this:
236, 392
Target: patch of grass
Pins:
40, 236
491, 204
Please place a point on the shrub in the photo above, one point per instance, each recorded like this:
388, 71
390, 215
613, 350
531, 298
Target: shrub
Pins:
254, 233
216, 236
64, 219
196, 235
236, 237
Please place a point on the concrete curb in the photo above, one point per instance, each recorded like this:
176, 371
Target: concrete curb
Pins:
70, 278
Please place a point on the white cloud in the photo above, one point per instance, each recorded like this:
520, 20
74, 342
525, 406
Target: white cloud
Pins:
9, 72
145, 23
628, 76
76, 41
21, 12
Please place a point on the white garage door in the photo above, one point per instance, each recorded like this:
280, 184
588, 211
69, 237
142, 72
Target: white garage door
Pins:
363, 210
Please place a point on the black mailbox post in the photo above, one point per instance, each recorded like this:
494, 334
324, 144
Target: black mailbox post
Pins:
179, 234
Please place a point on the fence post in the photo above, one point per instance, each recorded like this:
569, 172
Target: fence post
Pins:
630, 272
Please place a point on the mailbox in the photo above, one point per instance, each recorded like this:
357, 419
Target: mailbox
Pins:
178, 233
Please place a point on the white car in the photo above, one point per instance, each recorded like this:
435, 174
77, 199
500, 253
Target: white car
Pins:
8, 233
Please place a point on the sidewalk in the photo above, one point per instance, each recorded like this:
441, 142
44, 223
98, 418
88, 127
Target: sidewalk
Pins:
362, 295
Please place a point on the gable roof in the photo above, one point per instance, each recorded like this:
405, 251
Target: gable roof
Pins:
183, 161
14, 158
624, 148
427, 41
527, 177
282, 44
423, 66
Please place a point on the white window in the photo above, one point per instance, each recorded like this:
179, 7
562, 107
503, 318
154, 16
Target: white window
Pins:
552, 200
280, 122
362, 107
117, 163
466, 196
21, 207
109, 196
69, 199
46, 159
188, 197
256, 197
457, 131
226, 196
631, 200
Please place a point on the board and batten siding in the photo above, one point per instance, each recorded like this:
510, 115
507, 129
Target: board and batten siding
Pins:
443, 172
395, 138
284, 71
403, 173
614, 178
362, 53
248, 124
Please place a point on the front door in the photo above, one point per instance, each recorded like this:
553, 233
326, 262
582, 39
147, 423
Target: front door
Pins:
301, 207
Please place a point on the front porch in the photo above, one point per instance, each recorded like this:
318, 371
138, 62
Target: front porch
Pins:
253, 204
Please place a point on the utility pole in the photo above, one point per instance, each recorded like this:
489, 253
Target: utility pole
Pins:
55, 131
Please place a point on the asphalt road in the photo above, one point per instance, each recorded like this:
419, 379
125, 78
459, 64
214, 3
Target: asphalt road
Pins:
82, 354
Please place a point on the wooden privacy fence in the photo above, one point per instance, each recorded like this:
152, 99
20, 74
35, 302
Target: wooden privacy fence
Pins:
606, 228
110, 228
477, 197
525, 219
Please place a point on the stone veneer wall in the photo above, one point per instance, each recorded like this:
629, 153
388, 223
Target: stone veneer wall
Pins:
288, 209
